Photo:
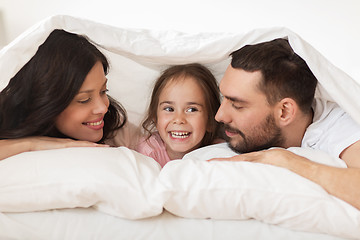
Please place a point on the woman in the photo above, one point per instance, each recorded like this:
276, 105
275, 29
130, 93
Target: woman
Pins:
58, 99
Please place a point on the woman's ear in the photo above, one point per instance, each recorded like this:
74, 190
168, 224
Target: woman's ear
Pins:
286, 111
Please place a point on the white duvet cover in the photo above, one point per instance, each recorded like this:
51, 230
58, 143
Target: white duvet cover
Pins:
116, 193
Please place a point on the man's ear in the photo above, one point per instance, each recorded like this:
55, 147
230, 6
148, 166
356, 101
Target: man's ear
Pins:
286, 111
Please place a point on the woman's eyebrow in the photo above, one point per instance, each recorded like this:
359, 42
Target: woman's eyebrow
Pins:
91, 90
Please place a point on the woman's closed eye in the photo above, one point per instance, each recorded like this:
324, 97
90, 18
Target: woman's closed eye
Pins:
83, 101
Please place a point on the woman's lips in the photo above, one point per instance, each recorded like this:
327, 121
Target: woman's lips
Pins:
95, 125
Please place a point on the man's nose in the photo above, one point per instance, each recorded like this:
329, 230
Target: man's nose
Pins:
222, 113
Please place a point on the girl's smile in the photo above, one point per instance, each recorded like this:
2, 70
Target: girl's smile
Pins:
179, 134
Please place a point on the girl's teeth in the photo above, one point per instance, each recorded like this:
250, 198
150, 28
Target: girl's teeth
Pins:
179, 134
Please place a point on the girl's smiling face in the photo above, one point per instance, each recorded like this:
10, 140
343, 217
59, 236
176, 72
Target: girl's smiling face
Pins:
181, 116
83, 118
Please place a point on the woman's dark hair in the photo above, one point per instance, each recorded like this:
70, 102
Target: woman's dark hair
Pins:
46, 85
208, 84
285, 74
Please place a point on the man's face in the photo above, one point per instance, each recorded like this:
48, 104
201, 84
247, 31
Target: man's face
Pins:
248, 118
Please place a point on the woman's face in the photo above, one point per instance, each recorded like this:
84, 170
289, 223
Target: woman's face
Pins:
83, 118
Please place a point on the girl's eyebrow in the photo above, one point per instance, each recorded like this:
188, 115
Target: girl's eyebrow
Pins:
188, 103
194, 103
166, 102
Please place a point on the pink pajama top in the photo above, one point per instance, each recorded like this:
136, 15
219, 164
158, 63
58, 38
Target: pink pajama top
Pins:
154, 147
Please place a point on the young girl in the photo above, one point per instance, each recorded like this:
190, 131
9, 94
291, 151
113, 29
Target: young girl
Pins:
183, 105
59, 99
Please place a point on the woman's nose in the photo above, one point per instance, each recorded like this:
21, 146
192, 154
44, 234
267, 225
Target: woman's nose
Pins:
101, 106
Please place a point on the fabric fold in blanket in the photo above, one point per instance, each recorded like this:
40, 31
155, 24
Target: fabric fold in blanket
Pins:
154, 49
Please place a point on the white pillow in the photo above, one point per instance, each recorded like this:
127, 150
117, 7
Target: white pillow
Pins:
222, 150
244, 190
117, 181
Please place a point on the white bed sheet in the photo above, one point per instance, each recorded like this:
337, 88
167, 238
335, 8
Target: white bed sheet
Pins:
87, 223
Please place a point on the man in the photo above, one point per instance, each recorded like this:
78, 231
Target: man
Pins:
269, 102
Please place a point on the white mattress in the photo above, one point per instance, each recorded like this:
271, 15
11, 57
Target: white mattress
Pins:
87, 223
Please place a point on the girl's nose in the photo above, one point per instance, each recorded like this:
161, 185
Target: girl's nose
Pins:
179, 118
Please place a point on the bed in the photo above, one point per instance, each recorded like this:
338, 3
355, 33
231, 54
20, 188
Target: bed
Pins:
117, 193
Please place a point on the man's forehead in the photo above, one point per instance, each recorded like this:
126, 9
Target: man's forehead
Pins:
236, 79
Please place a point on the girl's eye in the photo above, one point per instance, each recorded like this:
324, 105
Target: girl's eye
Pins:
192, 109
169, 109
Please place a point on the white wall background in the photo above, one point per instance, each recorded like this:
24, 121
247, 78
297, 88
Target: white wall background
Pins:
331, 26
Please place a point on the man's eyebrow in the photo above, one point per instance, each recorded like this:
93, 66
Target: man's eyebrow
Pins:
237, 100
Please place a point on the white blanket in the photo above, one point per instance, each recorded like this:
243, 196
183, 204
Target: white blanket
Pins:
137, 56
136, 59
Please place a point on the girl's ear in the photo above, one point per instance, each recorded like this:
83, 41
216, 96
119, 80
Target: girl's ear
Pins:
285, 111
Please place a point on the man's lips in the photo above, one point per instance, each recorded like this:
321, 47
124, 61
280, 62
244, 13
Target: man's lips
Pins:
230, 132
